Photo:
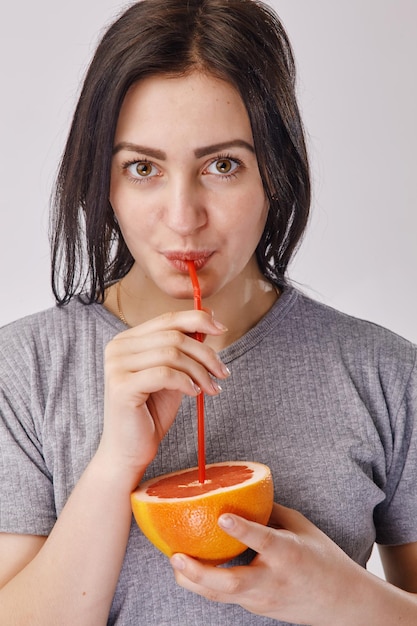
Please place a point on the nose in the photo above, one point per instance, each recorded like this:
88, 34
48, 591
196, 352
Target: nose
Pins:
185, 210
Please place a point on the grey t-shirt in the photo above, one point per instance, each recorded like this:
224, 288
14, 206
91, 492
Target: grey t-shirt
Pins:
329, 402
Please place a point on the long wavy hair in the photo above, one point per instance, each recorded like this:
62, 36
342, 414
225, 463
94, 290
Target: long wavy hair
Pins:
240, 41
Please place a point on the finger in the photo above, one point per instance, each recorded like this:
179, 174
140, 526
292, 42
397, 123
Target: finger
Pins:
139, 385
147, 354
175, 343
190, 321
164, 370
201, 336
283, 517
264, 539
214, 583
256, 536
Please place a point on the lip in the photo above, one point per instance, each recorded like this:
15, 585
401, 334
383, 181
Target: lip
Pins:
179, 259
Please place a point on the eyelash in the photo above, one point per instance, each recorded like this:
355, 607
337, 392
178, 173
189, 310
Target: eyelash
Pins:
227, 157
220, 157
140, 181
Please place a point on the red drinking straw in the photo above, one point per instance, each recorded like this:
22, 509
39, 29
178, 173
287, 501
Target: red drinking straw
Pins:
200, 397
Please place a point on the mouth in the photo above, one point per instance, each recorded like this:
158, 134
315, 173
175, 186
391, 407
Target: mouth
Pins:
179, 259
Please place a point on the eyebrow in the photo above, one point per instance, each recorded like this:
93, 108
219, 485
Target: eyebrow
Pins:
198, 152
218, 147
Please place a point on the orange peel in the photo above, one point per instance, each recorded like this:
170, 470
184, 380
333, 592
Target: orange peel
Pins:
177, 513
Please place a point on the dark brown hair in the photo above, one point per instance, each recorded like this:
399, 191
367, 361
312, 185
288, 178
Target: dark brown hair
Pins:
241, 41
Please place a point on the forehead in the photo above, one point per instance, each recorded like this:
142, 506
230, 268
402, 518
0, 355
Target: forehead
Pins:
198, 103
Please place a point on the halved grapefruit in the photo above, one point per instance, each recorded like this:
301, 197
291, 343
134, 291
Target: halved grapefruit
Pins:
177, 513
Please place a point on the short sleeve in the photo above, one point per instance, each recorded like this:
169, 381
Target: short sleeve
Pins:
396, 516
26, 486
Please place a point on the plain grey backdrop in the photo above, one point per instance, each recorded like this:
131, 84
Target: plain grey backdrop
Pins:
357, 85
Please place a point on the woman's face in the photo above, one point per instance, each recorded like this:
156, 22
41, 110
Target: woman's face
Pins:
185, 183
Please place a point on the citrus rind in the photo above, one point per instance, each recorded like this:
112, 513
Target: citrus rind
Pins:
189, 524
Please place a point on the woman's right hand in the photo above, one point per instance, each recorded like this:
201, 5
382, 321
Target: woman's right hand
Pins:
148, 368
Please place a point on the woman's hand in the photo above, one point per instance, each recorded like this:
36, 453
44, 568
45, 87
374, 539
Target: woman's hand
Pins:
147, 370
299, 575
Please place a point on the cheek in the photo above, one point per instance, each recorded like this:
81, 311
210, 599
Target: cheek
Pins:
131, 213
115, 196
252, 215
246, 229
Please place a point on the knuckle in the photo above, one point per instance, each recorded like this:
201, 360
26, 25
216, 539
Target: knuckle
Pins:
294, 551
111, 366
109, 350
176, 338
197, 577
163, 372
172, 354
233, 584
114, 348
267, 540
168, 318
213, 596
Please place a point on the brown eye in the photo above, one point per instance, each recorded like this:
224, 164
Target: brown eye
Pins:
143, 169
223, 166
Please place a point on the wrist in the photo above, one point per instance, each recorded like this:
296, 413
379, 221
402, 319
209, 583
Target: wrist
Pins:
367, 599
115, 474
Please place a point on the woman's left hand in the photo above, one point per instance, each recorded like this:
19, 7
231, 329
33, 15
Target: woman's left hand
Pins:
299, 575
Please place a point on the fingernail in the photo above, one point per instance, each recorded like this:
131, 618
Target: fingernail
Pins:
225, 369
216, 386
178, 562
226, 521
219, 325
196, 388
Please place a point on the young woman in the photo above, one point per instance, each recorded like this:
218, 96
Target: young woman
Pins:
187, 144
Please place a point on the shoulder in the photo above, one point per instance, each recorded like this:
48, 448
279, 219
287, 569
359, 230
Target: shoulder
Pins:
373, 356
55, 331
303, 325
348, 330
55, 322
76, 314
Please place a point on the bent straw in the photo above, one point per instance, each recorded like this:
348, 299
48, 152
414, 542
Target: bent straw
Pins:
200, 398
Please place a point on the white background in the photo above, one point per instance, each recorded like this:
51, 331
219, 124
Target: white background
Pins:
358, 92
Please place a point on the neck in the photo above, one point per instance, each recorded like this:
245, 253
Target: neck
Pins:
239, 306
242, 308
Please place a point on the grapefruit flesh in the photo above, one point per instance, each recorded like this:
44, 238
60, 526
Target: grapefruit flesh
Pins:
177, 513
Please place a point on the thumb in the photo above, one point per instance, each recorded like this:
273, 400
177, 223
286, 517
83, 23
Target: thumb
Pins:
251, 534
289, 519
261, 538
